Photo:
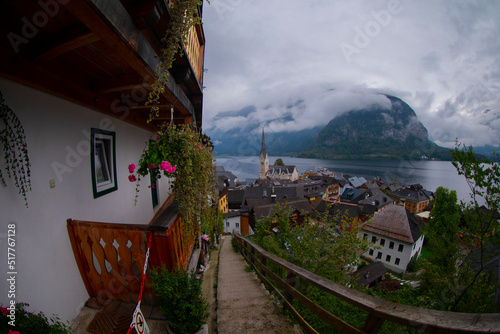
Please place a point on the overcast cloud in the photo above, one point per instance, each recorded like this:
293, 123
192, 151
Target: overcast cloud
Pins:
306, 61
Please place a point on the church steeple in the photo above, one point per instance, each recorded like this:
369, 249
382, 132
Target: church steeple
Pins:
263, 150
263, 158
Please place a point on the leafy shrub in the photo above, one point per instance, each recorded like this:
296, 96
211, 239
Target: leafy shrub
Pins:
179, 296
31, 323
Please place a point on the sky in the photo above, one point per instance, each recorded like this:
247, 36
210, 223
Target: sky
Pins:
301, 63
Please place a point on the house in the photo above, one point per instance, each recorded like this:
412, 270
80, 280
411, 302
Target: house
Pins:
260, 208
370, 274
396, 237
229, 176
318, 172
278, 172
377, 199
232, 223
223, 188
353, 195
77, 74
332, 191
345, 214
414, 198
357, 182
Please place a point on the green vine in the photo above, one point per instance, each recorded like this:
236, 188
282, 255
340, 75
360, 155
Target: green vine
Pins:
185, 155
184, 15
15, 150
179, 151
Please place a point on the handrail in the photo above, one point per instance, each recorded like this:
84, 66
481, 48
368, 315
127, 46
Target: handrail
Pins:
379, 310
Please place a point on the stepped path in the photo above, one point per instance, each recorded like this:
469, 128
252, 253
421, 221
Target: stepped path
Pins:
243, 304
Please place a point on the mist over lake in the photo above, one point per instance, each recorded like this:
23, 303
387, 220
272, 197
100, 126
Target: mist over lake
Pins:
430, 174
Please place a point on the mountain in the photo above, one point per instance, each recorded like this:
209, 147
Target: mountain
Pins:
244, 135
376, 132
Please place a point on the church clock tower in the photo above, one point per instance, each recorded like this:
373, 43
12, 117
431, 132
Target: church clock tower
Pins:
263, 158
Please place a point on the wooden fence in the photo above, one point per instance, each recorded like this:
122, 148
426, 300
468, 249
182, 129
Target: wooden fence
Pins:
378, 310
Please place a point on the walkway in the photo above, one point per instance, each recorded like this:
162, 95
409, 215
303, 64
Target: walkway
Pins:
243, 304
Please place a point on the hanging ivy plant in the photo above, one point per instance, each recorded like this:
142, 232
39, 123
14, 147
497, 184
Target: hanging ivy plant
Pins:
15, 149
182, 153
184, 15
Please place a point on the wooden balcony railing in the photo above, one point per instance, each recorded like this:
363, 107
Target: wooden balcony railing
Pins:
378, 310
111, 256
194, 51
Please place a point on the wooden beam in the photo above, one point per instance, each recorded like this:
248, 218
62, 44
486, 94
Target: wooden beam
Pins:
121, 83
66, 42
21, 70
109, 20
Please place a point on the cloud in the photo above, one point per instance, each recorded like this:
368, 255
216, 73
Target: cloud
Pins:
440, 57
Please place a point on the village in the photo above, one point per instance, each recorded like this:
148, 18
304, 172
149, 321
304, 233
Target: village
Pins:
392, 214
111, 204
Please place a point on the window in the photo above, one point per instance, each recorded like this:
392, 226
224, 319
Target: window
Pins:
370, 252
237, 225
103, 162
365, 236
227, 224
382, 242
391, 245
401, 247
396, 262
379, 255
388, 258
374, 239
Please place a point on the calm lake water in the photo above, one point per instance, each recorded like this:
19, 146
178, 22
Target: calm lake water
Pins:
430, 174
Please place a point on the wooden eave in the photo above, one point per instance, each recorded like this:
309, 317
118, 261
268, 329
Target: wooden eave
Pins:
101, 54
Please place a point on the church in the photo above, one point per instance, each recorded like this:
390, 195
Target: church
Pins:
274, 172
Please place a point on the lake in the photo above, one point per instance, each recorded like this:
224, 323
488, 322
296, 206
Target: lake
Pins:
430, 174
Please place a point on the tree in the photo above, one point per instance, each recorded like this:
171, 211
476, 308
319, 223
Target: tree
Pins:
458, 278
442, 235
480, 217
279, 162
321, 246
442, 230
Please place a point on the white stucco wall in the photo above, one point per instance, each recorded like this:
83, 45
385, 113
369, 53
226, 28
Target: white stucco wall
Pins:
57, 133
404, 256
232, 224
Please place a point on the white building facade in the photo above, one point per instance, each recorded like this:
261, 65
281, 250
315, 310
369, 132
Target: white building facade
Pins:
396, 237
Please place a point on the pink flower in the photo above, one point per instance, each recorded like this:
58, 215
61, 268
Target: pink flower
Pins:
164, 165
132, 178
13, 332
131, 168
167, 167
152, 166
4, 310
205, 237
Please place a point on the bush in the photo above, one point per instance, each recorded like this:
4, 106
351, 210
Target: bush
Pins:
31, 323
179, 296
